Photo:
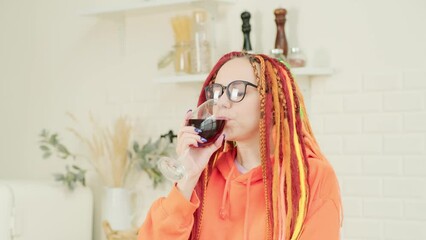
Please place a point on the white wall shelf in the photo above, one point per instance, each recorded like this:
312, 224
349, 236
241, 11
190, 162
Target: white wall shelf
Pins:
312, 71
190, 78
123, 6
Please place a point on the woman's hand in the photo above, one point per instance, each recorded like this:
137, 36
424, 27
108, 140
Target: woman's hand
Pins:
193, 158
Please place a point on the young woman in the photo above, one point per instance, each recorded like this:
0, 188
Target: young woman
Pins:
265, 178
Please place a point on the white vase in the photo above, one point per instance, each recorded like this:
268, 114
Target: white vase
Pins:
116, 208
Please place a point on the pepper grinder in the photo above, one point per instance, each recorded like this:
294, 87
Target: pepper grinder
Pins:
281, 40
246, 28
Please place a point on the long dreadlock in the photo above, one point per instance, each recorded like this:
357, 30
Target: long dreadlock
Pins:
285, 176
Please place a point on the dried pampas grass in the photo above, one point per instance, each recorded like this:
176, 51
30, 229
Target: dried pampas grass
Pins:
108, 149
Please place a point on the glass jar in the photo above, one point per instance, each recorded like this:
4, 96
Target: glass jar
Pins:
181, 57
296, 58
278, 53
200, 50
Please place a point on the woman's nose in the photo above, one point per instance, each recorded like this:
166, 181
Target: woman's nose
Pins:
223, 101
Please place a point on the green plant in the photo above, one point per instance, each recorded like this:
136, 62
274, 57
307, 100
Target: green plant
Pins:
49, 145
106, 150
147, 156
72, 176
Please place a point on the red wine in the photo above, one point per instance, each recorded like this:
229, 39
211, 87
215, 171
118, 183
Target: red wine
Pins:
210, 127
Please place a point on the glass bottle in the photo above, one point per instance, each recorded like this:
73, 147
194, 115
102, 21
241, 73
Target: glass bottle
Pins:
200, 50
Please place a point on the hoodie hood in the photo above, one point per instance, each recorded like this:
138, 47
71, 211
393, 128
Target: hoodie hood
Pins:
226, 164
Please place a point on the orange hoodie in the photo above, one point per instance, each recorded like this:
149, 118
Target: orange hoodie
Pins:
235, 207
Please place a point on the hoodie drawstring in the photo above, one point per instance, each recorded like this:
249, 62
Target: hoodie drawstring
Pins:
246, 215
224, 207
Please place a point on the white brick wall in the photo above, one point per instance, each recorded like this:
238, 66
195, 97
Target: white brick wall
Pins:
381, 122
366, 229
363, 102
369, 116
404, 229
403, 101
373, 130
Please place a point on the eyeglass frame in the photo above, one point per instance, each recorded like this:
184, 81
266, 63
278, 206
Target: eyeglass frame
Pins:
226, 88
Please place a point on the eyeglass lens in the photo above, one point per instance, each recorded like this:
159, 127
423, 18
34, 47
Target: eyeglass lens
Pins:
235, 91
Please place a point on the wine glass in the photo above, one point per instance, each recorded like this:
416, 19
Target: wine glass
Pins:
204, 119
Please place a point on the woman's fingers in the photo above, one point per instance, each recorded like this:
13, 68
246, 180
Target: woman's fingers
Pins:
187, 116
184, 132
189, 139
188, 129
188, 142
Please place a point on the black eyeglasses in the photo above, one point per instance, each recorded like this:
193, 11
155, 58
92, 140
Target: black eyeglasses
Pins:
236, 90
